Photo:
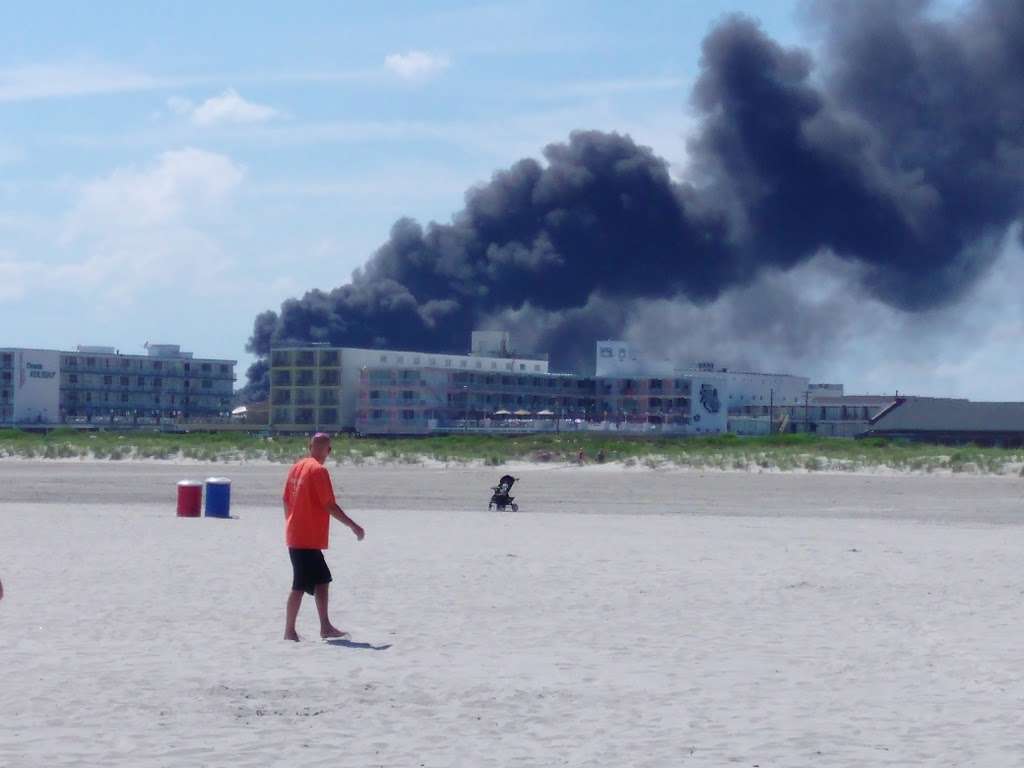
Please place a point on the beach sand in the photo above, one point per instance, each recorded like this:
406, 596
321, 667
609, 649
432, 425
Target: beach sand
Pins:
621, 618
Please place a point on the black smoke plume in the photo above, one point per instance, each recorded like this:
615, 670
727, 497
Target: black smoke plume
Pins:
901, 151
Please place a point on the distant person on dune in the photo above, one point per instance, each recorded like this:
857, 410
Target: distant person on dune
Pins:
309, 504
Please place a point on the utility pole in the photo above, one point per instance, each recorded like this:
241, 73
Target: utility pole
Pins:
771, 411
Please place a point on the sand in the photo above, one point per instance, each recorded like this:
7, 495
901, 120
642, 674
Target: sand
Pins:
622, 618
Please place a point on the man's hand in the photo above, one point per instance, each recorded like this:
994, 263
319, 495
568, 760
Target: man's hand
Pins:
341, 517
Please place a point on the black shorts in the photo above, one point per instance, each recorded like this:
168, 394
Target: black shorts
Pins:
308, 569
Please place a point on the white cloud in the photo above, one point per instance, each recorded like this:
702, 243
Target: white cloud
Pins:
74, 79
180, 106
227, 108
136, 230
416, 65
16, 276
230, 107
182, 182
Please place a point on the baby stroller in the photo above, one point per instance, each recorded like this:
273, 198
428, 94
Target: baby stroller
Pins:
500, 498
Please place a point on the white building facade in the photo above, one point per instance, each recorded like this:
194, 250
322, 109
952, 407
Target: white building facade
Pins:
316, 387
99, 385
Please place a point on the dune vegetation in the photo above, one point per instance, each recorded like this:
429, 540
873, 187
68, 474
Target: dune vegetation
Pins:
725, 452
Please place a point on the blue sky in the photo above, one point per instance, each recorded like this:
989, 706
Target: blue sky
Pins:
170, 169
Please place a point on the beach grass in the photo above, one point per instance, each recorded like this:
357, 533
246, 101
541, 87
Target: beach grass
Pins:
804, 453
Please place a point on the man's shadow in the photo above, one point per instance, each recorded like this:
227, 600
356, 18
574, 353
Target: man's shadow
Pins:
342, 642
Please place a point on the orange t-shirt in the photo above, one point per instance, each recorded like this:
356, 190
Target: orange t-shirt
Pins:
307, 493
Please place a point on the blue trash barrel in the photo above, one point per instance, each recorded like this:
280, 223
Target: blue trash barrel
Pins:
218, 497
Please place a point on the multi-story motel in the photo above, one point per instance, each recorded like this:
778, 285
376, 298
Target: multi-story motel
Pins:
377, 391
99, 385
317, 387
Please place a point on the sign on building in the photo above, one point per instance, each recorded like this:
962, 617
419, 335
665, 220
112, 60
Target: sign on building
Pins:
36, 386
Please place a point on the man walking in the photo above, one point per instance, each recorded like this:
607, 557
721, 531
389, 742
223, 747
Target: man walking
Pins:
309, 504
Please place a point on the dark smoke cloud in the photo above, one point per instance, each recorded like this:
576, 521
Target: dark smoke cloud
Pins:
901, 152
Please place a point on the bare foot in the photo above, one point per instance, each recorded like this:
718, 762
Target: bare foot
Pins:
291, 636
332, 631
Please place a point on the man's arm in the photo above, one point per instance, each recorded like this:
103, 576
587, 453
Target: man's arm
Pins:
339, 514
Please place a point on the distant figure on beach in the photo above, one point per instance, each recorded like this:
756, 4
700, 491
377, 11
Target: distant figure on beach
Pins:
601, 456
309, 504
1, 590
581, 457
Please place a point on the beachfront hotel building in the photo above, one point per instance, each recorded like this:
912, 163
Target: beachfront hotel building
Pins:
494, 389
380, 391
317, 387
100, 385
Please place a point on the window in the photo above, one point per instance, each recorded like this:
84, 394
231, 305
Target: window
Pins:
416, 361
408, 414
522, 366
157, 365
207, 384
205, 367
73, 378
157, 382
536, 367
383, 358
432, 361
108, 380
508, 366
400, 359
225, 368
141, 381
462, 364
90, 362
447, 363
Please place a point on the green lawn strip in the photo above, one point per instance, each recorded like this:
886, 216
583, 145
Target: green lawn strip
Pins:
777, 452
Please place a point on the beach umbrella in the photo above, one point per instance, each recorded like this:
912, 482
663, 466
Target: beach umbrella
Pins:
545, 412
521, 412
502, 412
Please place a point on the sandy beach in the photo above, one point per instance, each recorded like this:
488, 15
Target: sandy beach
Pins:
621, 618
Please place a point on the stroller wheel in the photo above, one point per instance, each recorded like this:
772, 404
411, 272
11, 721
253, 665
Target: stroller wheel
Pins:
515, 507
